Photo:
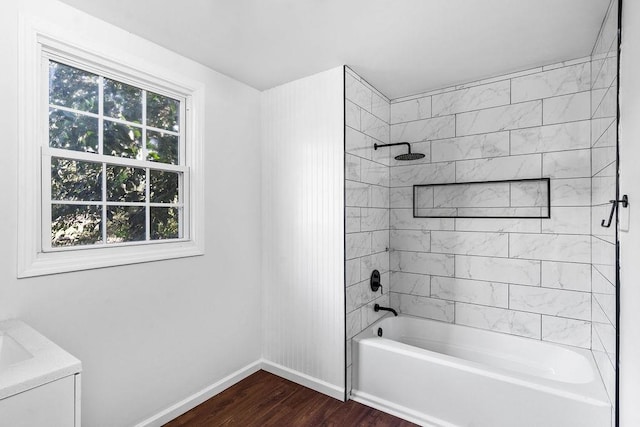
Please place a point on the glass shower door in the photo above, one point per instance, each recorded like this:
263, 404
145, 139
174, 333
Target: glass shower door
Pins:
606, 203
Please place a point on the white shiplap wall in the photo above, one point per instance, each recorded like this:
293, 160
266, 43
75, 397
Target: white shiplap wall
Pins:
303, 231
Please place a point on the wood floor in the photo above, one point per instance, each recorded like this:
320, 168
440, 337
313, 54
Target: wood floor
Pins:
263, 399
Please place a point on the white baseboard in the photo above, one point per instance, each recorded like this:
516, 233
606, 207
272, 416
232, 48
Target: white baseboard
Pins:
208, 392
197, 398
304, 379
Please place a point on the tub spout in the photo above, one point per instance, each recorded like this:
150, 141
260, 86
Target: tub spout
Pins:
377, 307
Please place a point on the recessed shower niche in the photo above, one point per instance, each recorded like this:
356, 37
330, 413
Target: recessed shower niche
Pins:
515, 199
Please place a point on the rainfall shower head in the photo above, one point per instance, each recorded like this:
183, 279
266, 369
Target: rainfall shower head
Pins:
407, 156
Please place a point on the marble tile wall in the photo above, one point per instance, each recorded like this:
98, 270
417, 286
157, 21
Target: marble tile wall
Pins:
367, 204
528, 277
603, 182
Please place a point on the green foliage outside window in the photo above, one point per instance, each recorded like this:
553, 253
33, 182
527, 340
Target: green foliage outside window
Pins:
136, 124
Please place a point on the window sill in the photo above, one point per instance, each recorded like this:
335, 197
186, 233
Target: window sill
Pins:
45, 263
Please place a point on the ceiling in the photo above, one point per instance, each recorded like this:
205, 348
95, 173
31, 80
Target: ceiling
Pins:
401, 47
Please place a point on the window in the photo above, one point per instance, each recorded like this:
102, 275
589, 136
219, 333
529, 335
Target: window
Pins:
114, 155
116, 162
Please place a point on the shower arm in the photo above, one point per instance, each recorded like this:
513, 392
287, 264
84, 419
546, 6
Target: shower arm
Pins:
376, 146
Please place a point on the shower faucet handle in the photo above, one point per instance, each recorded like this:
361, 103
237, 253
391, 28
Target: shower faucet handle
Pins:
375, 281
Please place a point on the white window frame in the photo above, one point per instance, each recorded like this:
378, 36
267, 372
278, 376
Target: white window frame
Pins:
40, 43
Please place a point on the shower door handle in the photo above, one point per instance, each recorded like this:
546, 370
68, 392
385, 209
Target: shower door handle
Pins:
614, 204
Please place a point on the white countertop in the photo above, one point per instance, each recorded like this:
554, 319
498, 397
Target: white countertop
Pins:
49, 362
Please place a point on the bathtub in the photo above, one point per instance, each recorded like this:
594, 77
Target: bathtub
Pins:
439, 374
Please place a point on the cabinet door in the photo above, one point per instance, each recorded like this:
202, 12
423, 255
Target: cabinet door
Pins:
51, 404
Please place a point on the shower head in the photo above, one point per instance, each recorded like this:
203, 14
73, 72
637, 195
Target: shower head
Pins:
407, 156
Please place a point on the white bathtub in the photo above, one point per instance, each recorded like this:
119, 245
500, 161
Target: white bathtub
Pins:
438, 374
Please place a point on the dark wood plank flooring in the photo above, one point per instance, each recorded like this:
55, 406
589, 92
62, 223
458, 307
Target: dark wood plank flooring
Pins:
264, 399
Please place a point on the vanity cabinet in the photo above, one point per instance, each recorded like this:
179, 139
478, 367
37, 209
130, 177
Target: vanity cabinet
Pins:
51, 404
39, 381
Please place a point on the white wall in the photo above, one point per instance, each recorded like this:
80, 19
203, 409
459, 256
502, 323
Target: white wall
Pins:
303, 231
150, 334
630, 218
